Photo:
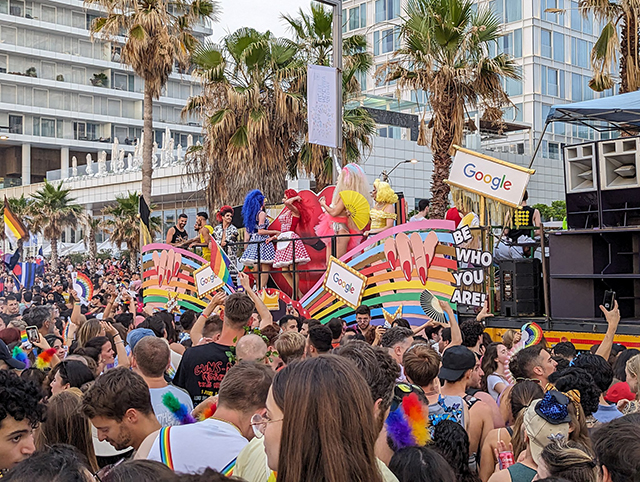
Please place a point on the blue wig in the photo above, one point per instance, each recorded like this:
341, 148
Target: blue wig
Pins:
250, 209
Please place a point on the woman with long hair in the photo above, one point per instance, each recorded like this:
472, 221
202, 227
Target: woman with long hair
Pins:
452, 442
383, 213
632, 373
65, 424
518, 398
258, 233
568, 460
226, 235
319, 423
89, 329
335, 220
295, 215
494, 366
421, 464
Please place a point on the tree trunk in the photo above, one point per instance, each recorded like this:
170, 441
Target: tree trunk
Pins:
147, 147
439, 189
624, 50
54, 254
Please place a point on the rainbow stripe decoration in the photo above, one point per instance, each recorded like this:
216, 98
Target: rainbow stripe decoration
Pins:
20, 355
531, 334
83, 285
168, 273
165, 447
228, 470
220, 263
396, 277
24, 338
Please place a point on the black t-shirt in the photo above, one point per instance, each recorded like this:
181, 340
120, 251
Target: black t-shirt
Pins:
202, 369
522, 218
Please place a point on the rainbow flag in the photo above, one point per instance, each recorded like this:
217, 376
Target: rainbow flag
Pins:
14, 230
220, 263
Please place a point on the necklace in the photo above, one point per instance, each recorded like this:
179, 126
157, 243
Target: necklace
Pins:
230, 423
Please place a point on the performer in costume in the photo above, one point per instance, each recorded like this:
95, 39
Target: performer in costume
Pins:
383, 213
226, 235
257, 224
294, 215
203, 238
335, 219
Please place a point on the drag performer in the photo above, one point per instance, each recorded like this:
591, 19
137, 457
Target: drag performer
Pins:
294, 215
335, 220
256, 224
383, 213
226, 235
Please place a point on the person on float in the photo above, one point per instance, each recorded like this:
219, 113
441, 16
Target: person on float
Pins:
335, 220
257, 233
383, 213
226, 235
294, 216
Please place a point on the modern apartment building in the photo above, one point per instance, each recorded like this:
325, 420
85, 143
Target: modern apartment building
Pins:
553, 51
64, 95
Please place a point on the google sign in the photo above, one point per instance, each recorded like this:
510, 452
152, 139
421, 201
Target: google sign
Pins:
344, 282
492, 178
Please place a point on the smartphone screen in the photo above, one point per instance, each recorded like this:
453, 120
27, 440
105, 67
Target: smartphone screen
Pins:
33, 335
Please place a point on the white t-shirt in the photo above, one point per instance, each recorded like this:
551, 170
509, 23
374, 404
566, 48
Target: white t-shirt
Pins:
415, 218
210, 443
492, 381
163, 414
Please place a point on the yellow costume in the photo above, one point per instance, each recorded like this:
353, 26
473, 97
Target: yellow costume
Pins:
379, 218
206, 252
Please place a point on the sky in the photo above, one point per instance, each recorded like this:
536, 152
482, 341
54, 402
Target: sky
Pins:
259, 14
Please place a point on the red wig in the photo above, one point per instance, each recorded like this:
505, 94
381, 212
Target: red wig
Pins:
305, 215
223, 210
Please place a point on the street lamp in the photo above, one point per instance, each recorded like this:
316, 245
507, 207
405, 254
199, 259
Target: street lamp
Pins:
385, 175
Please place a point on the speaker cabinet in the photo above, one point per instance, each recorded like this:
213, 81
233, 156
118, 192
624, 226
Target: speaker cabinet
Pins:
521, 287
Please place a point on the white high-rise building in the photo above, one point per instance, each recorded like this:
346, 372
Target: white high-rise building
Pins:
64, 95
553, 51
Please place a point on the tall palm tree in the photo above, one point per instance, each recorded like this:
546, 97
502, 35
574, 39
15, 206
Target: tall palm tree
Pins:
20, 207
123, 224
252, 122
52, 210
159, 35
313, 33
444, 52
619, 36
92, 225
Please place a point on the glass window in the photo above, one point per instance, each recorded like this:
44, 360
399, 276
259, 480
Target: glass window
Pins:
517, 43
36, 126
552, 5
545, 41
552, 82
513, 87
48, 14
60, 128
8, 35
8, 94
561, 83
580, 52
40, 98
554, 150
345, 21
16, 7
120, 81
513, 10
363, 15
4, 6
354, 18
376, 42
15, 124
543, 79
387, 10
387, 41
586, 90
56, 99
576, 87
48, 127
558, 47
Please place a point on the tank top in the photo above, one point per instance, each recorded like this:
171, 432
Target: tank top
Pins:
178, 236
522, 218
521, 473
206, 252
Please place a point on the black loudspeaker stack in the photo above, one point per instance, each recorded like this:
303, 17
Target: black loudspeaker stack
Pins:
521, 287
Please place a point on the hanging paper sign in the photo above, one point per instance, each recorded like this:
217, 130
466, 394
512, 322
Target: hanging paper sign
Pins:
489, 177
206, 280
322, 109
344, 282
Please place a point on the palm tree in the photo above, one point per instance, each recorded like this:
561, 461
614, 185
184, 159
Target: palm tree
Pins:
20, 207
92, 224
445, 45
52, 210
159, 35
123, 224
314, 36
618, 36
252, 122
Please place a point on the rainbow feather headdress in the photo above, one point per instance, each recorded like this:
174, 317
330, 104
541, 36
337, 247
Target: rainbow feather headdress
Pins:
408, 425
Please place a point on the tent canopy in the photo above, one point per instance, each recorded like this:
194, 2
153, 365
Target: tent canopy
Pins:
621, 112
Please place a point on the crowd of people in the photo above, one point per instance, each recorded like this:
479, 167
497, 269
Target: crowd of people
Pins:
232, 394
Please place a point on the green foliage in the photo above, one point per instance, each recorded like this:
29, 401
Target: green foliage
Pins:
557, 211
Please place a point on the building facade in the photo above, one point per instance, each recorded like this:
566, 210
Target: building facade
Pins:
553, 51
65, 95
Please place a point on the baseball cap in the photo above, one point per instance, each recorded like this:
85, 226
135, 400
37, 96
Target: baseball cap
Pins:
619, 391
546, 420
6, 357
455, 361
136, 335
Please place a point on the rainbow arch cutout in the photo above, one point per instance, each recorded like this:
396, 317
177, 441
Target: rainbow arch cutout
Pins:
386, 286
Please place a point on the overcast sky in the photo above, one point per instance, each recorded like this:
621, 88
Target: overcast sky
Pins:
259, 14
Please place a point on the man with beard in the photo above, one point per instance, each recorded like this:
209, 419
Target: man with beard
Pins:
372, 334
119, 407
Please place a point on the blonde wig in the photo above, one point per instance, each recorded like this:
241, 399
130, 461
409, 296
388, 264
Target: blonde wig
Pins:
384, 193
